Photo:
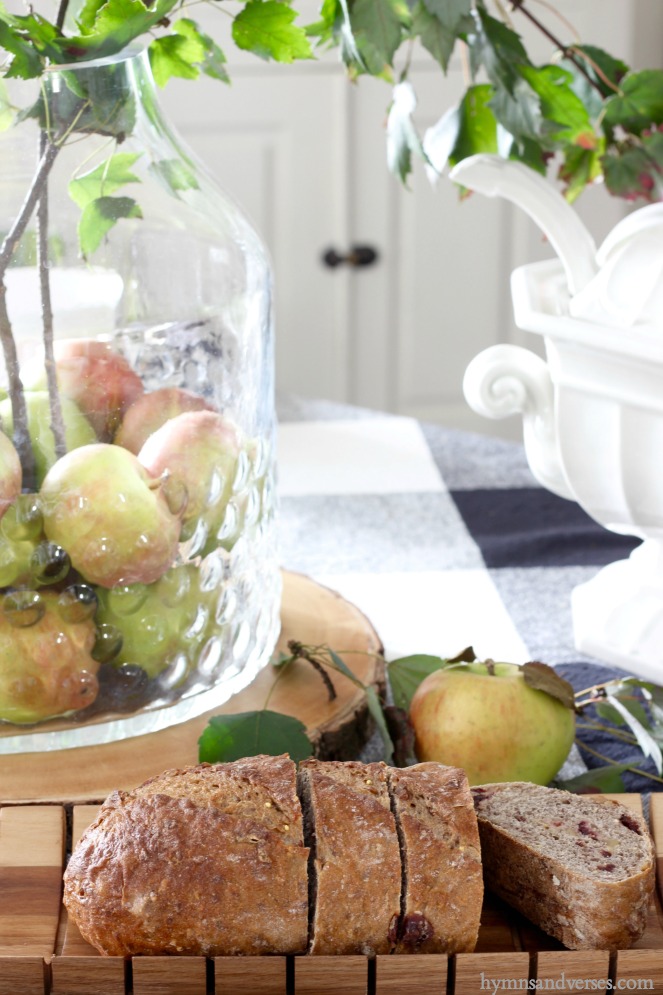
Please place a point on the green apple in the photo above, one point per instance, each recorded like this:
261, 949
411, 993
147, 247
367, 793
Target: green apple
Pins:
110, 515
11, 474
46, 666
77, 429
484, 718
161, 620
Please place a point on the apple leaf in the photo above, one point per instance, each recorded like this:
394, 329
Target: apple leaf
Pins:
598, 780
375, 710
231, 737
99, 216
407, 673
541, 677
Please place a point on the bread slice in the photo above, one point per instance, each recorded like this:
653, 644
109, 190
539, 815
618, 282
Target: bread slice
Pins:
355, 866
439, 839
207, 860
580, 867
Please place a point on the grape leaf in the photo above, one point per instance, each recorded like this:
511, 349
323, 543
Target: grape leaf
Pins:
115, 24
454, 15
247, 734
518, 110
402, 136
640, 103
185, 53
26, 62
579, 168
265, 28
407, 673
377, 28
434, 35
175, 174
174, 55
604, 73
560, 105
99, 216
104, 179
633, 173
497, 49
477, 131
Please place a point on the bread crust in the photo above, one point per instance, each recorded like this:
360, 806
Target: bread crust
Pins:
442, 875
575, 905
158, 873
357, 864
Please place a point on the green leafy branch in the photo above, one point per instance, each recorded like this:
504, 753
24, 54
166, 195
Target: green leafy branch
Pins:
585, 111
629, 709
230, 737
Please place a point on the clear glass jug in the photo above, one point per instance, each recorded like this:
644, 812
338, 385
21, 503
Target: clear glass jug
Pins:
138, 576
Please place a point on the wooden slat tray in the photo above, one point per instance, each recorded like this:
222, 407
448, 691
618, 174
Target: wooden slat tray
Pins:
42, 954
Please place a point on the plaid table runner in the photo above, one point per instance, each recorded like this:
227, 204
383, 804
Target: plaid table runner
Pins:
443, 538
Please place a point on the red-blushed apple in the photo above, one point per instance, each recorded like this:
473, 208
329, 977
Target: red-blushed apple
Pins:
11, 474
46, 669
110, 515
152, 410
484, 718
198, 450
77, 429
99, 380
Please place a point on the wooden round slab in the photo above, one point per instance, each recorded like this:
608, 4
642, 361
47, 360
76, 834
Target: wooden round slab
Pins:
310, 614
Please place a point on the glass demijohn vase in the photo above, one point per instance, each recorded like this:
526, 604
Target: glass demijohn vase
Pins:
138, 576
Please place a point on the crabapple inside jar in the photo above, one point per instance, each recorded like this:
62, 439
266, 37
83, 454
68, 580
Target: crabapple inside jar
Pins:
138, 577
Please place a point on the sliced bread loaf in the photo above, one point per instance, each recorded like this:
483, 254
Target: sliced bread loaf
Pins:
439, 839
580, 867
355, 867
207, 860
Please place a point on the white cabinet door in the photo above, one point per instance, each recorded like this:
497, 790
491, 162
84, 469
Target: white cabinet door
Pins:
303, 150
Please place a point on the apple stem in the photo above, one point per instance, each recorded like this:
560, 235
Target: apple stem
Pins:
57, 421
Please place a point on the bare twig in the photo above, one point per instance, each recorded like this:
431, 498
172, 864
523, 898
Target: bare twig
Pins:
301, 652
16, 395
57, 421
566, 50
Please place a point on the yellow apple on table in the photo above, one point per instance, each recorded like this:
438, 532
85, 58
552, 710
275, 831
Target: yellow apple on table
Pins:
485, 718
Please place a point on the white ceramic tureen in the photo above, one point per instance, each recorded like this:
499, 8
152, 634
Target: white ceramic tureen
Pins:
593, 410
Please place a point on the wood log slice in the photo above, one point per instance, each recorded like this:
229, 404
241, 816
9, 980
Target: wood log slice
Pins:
338, 728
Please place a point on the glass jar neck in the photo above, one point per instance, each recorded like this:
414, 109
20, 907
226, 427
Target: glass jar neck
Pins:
102, 96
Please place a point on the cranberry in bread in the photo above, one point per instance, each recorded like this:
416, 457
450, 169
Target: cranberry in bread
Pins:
580, 867
208, 860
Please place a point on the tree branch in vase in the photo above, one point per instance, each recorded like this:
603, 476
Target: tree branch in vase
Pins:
57, 421
15, 385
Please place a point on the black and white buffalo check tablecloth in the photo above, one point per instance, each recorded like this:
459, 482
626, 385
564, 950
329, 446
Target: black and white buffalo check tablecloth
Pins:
442, 538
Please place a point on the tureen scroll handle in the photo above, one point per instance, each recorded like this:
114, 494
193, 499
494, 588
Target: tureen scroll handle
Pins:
508, 380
